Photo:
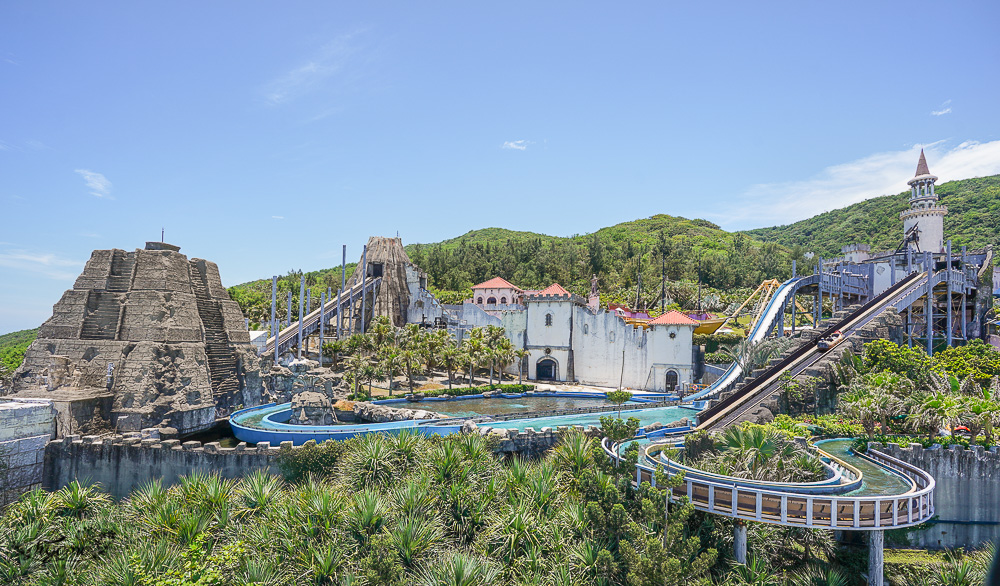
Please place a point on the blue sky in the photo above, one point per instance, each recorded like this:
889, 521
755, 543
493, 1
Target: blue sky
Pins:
263, 136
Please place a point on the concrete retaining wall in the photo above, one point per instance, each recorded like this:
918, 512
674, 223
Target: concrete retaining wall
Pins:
122, 463
25, 427
967, 495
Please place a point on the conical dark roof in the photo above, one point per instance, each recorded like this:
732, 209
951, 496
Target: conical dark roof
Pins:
922, 165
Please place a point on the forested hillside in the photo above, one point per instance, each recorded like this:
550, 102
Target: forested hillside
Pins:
616, 255
728, 263
12, 348
973, 220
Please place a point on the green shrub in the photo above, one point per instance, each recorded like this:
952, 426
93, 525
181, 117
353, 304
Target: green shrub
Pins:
463, 391
311, 458
711, 342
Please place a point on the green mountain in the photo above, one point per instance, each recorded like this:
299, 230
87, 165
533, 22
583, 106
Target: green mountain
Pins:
682, 249
658, 245
973, 220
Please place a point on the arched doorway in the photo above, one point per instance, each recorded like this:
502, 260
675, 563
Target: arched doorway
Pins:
546, 369
671, 380
491, 301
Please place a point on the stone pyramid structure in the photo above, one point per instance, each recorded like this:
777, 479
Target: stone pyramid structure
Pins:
155, 331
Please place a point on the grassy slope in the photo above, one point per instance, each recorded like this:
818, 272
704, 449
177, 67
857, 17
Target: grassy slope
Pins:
973, 220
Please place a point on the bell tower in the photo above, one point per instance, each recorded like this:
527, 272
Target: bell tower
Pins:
923, 223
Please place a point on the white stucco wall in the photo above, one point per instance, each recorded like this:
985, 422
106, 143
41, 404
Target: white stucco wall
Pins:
423, 305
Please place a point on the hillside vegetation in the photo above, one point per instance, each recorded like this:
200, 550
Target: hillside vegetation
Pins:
616, 255
12, 349
973, 220
728, 264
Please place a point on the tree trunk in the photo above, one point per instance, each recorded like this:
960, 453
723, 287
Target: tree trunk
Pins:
449, 379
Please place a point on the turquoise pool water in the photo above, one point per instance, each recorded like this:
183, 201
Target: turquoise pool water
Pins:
646, 417
877, 480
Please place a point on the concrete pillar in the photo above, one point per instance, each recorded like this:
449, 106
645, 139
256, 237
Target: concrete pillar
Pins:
343, 287
964, 299
876, 546
740, 542
288, 316
948, 322
302, 295
274, 305
277, 330
322, 324
929, 311
364, 284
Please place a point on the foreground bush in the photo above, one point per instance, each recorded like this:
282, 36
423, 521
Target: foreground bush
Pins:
378, 509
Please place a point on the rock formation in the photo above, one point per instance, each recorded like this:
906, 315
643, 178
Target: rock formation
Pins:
312, 408
153, 330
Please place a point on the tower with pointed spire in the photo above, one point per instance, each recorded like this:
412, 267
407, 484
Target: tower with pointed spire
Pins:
923, 223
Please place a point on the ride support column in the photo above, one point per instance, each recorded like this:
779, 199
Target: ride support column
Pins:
876, 550
740, 541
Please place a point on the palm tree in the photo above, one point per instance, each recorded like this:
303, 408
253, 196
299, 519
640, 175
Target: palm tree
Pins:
451, 358
474, 351
355, 371
391, 361
520, 354
381, 331
332, 350
933, 411
410, 359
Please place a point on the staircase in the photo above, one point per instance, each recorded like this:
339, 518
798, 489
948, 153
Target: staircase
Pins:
100, 322
122, 264
221, 359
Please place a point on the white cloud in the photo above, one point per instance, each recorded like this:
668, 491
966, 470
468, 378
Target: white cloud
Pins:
47, 264
96, 182
278, 217
332, 59
517, 145
841, 185
945, 109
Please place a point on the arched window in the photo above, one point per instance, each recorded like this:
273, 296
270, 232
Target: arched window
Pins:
548, 319
491, 301
586, 328
503, 301
671, 380
479, 301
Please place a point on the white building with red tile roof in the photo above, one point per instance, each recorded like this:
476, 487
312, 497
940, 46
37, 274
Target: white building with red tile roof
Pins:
496, 291
570, 340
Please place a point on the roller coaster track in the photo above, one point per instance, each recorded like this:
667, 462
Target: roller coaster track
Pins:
724, 412
769, 318
289, 337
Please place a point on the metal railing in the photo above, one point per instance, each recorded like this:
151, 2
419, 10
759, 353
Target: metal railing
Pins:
734, 497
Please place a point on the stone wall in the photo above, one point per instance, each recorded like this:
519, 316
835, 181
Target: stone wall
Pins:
25, 427
122, 463
966, 495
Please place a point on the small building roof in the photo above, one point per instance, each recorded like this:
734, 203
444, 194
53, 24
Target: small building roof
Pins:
496, 283
922, 165
673, 318
554, 289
